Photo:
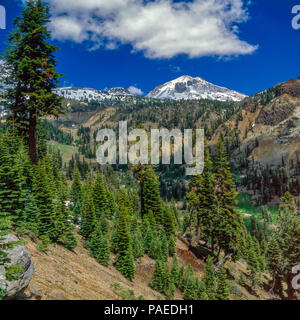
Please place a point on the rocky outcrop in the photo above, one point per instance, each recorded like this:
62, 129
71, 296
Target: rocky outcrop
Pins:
292, 88
279, 110
2, 278
20, 256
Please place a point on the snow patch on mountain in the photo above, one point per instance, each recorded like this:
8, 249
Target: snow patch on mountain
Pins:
189, 88
88, 94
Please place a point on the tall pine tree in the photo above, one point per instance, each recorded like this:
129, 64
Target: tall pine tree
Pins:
31, 61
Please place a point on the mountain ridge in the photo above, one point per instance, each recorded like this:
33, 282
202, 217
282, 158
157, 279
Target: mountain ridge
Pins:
80, 94
182, 88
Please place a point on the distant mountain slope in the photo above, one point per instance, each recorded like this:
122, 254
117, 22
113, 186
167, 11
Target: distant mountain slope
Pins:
88, 94
268, 125
189, 88
263, 139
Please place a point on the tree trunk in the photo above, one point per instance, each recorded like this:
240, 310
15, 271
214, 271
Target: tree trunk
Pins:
219, 252
212, 246
277, 285
189, 224
290, 290
32, 137
198, 230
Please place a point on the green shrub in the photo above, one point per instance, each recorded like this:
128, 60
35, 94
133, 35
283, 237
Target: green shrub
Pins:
69, 240
125, 294
13, 272
43, 245
242, 279
2, 294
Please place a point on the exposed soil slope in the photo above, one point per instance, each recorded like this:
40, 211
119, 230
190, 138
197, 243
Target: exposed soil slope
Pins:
65, 275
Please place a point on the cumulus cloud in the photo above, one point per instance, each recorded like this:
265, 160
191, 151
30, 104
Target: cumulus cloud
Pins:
158, 28
135, 91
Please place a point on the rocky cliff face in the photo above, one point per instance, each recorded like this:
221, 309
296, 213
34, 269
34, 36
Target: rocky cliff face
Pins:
269, 131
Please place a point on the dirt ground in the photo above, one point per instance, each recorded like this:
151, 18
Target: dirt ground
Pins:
61, 274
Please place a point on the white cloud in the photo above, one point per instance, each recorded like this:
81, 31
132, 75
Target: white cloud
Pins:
135, 91
159, 28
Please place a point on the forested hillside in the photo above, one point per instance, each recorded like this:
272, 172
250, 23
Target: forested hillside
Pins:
198, 238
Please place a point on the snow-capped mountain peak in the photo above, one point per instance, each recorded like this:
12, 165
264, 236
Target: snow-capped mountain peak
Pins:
189, 88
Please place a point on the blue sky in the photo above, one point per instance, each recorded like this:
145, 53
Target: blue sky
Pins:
98, 53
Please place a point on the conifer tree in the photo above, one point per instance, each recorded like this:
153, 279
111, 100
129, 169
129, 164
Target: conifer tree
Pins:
30, 59
288, 203
157, 282
150, 217
138, 246
210, 279
175, 271
253, 263
98, 246
124, 202
88, 222
125, 264
288, 237
12, 183
169, 283
187, 274
203, 200
125, 258
169, 222
190, 290
31, 214
103, 252
4, 230
201, 291
62, 212
222, 292
114, 237
229, 221
260, 256
148, 236
100, 197
105, 227
111, 202
5, 226
242, 279
68, 239
274, 265
43, 193
150, 193
180, 282
12, 180
76, 195
164, 247
172, 246
134, 223
224, 178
